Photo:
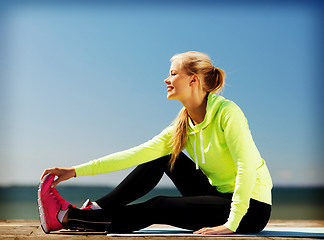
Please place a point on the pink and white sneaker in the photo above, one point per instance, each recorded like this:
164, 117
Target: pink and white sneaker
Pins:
87, 205
49, 205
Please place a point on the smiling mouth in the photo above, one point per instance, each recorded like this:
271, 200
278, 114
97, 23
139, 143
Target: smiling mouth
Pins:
169, 88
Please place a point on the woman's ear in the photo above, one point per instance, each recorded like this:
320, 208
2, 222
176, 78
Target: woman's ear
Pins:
194, 80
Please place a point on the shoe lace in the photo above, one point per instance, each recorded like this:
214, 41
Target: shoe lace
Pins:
56, 195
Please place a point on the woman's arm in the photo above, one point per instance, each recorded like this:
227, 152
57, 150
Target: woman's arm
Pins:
152, 149
246, 158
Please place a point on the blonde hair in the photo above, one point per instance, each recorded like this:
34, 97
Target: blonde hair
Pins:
213, 80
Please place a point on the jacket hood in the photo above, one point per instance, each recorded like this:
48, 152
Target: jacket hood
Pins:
213, 104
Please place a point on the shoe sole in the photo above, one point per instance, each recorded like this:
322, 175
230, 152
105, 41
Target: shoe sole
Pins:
40, 206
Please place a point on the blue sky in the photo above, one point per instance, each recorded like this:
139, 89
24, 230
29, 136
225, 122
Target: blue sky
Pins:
82, 80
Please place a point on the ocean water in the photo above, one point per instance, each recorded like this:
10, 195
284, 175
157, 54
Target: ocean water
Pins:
19, 202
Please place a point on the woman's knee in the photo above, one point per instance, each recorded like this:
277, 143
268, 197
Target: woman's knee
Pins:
256, 218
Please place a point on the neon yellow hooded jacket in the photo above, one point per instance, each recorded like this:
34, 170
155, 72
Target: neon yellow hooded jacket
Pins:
221, 146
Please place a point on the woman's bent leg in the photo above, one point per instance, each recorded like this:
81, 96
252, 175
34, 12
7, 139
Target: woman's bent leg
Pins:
182, 212
139, 182
188, 180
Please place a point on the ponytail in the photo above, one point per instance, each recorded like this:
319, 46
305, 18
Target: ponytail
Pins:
179, 137
219, 80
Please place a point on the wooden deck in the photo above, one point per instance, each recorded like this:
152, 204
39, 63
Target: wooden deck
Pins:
30, 229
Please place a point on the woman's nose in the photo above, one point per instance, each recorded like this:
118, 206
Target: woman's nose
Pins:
167, 81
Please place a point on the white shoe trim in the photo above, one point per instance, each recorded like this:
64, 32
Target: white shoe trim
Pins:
40, 207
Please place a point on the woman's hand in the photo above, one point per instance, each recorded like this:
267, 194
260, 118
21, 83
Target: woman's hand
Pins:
63, 174
214, 230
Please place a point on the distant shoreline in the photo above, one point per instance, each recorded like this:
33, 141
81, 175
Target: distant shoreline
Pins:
19, 202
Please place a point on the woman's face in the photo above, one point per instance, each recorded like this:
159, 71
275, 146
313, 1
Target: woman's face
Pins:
178, 83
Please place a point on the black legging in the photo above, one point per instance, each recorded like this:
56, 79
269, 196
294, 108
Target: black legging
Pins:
200, 205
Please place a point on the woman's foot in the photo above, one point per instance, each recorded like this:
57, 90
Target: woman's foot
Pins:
50, 204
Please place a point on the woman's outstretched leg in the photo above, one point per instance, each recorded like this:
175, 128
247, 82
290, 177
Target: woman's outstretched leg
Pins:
190, 213
187, 212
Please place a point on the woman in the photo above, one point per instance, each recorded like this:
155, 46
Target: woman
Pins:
225, 189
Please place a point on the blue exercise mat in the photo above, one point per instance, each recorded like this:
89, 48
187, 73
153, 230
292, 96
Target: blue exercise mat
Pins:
267, 232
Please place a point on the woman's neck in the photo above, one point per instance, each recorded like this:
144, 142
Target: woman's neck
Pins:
196, 108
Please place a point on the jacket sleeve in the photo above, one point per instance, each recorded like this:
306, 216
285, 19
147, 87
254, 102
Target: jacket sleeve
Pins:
246, 158
152, 149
